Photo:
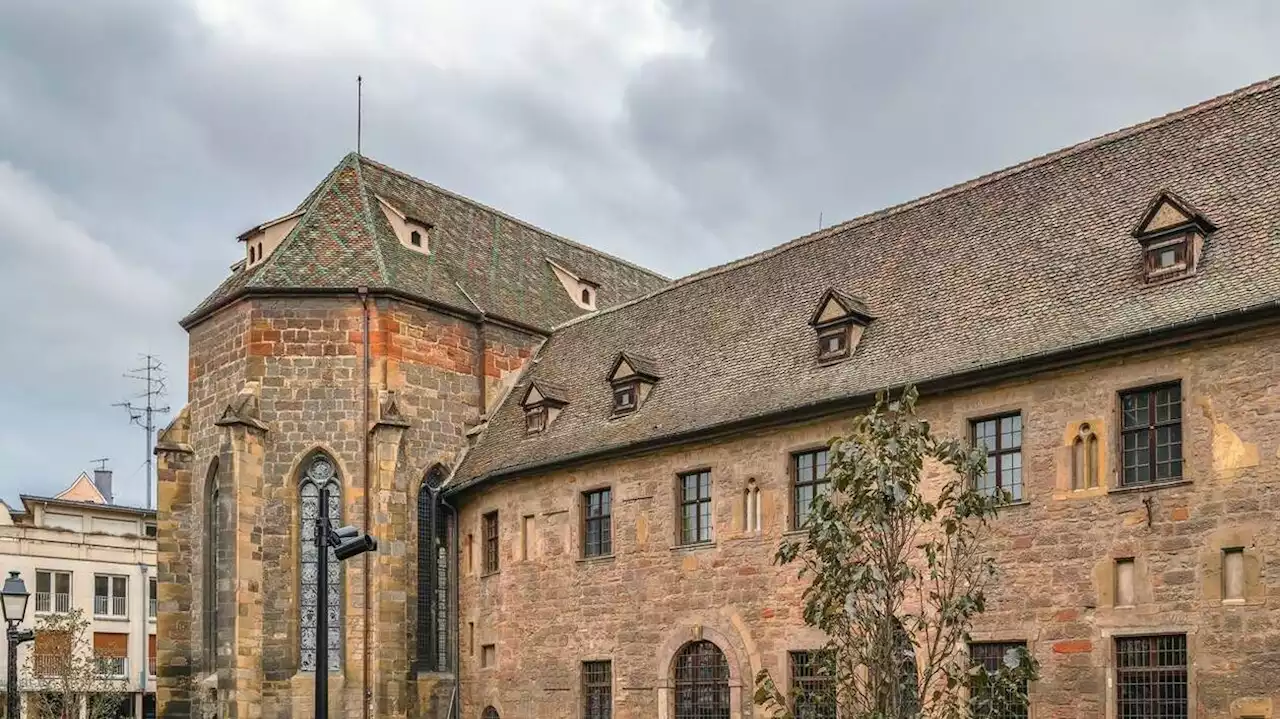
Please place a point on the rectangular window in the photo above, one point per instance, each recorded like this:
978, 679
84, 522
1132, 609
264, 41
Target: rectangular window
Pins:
53, 592
491, 542
812, 691
535, 420
526, 535
1002, 438
1151, 677
597, 690
110, 653
695, 507
833, 342
1233, 573
110, 595
1151, 435
809, 471
624, 398
597, 523
151, 599
997, 702
1126, 592
488, 655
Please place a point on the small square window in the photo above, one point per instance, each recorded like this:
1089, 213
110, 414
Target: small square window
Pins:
833, 343
624, 398
488, 655
415, 238
535, 420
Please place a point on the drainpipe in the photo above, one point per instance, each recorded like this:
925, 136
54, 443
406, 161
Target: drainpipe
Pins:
364, 450
455, 700
146, 639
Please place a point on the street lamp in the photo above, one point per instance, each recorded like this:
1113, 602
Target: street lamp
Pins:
13, 602
347, 542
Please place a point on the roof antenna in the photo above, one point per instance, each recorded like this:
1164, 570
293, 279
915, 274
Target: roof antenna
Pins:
359, 109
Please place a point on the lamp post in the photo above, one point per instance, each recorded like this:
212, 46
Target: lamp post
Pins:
13, 602
347, 542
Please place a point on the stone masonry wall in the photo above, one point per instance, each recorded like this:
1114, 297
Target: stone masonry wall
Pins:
546, 610
303, 360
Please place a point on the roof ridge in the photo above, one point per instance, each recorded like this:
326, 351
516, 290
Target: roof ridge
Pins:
512, 218
375, 240
949, 191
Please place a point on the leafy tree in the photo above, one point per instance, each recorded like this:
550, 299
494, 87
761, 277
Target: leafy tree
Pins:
897, 574
61, 669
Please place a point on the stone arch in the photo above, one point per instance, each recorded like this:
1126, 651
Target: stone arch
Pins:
732, 646
316, 472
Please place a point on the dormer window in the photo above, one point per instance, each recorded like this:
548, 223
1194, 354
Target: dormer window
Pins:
581, 290
586, 297
415, 238
542, 403
624, 398
839, 322
263, 239
413, 232
1172, 235
632, 378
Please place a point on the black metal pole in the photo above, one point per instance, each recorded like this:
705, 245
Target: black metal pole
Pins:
12, 700
322, 606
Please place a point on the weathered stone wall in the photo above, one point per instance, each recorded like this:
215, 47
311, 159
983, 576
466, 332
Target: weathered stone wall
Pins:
546, 610
302, 361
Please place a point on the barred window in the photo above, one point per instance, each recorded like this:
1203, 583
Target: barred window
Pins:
812, 689
702, 682
695, 507
491, 542
1003, 704
319, 483
597, 517
1002, 439
1151, 677
597, 690
809, 472
1151, 435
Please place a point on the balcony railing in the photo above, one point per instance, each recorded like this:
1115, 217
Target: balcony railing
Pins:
110, 606
113, 666
151, 666
151, 608
50, 602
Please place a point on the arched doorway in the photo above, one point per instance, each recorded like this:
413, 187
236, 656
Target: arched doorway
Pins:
489, 713
701, 682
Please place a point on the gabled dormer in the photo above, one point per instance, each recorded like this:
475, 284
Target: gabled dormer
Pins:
581, 290
262, 240
542, 404
413, 232
1171, 233
838, 322
632, 378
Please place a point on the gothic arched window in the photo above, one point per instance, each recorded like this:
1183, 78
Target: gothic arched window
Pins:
1084, 459
209, 590
319, 479
702, 682
433, 575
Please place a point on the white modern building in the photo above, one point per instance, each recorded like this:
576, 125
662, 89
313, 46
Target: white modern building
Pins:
78, 550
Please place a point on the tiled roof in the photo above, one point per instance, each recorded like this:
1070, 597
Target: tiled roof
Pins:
480, 259
1031, 261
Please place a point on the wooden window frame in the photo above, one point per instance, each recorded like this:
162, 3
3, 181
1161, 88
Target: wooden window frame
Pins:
623, 388
844, 331
1003, 454
683, 501
490, 534
603, 521
535, 419
819, 484
1181, 243
1151, 430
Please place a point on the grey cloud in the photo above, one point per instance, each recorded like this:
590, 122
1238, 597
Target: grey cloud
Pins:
154, 139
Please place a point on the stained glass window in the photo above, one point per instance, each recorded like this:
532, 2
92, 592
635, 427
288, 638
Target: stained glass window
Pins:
319, 475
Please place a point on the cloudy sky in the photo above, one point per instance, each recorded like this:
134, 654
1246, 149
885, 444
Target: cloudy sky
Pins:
139, 137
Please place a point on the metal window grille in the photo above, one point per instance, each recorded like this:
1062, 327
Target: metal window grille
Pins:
1002, 438
1151, 677
433, 577
490, 713
320, 474
695, 507
702, 682
597, 516
1004, 704
491, 542
810, 472
597, 690
812, 690
112, 666
1151, 435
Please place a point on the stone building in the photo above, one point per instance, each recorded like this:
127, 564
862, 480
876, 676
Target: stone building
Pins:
578, 471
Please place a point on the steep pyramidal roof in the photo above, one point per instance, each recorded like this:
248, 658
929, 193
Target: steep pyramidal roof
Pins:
1033, 262
479, 259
